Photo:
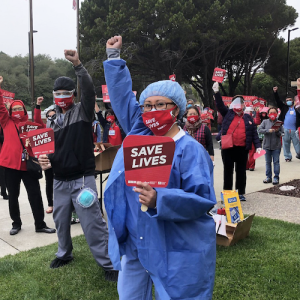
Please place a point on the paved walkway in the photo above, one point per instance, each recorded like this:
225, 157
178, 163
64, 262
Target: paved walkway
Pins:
272, 206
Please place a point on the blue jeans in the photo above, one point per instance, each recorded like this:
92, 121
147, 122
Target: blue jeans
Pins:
289, 135
275, 154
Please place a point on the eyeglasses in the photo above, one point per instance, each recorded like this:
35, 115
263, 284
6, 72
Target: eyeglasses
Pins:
63, 93
17, 109
158, 106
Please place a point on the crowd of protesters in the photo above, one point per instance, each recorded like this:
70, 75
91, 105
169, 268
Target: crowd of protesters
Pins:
161, 245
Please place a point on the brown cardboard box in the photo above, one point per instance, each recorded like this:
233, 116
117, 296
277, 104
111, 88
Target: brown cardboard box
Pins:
105, 159
235, 232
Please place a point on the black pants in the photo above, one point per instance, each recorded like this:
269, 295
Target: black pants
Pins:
13, 183
239, 156
49, 185
2, 182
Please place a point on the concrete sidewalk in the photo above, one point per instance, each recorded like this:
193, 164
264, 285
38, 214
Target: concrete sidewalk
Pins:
279, 207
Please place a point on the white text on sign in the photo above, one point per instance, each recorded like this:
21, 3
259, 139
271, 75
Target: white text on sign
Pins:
147, 161
41, 139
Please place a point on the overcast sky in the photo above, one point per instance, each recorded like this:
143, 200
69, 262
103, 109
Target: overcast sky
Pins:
55, 21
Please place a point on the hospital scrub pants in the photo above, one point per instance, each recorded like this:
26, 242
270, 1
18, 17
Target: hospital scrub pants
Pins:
92, 223
135, 282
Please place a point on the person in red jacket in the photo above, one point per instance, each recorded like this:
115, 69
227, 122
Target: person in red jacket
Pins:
13, 160
50, 114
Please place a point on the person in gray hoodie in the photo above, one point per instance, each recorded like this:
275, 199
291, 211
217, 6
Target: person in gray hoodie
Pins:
272, 145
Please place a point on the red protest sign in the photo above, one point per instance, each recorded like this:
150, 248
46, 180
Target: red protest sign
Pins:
148, 159
41, 141
7, 94
218, 75
257, 155
227, 100
277, 125
25, 127
105, 95
172, 77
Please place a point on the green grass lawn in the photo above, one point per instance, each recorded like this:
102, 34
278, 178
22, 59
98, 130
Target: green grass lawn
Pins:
266, 265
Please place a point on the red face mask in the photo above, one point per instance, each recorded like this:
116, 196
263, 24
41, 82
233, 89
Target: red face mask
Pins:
272, 116
19, 116
193, 119
65, 102
159, 121
238, 111
110, 119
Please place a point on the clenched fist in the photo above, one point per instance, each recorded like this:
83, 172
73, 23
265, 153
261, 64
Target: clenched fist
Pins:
1, 79
114, 42
72, 56
39, 100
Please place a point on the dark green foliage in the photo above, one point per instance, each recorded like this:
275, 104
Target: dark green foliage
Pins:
189, 38
15, 73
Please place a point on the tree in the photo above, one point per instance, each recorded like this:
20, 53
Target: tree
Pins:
15, 73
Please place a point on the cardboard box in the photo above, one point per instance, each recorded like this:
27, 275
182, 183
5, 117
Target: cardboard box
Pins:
235, 232
105, 159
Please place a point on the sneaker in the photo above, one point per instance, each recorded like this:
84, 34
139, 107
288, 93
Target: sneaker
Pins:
288, 159
57, 263
275, 181
242, 198
112, 275
251, 169
267, 180
298, 156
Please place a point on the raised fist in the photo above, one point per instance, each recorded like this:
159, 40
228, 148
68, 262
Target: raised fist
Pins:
275, 89
114, 42
1, 79
72, 56
39, 100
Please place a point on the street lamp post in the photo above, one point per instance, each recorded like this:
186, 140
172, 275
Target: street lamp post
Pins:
288, 60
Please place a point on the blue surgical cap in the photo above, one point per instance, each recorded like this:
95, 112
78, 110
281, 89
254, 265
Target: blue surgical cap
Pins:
166, 88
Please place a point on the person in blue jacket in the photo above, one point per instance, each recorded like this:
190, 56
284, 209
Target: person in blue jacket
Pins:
173, 244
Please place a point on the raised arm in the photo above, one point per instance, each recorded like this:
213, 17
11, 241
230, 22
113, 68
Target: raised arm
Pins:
119, 85
279, 103
4, 116
86, 85
37, 112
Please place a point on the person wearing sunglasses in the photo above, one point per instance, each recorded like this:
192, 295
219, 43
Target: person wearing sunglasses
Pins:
73, 164
173, 244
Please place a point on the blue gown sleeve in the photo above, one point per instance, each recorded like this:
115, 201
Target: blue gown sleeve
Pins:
196, 195
123, 100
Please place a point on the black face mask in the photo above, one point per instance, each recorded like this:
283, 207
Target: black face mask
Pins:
52, 118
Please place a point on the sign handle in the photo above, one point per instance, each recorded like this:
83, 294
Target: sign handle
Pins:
144, 208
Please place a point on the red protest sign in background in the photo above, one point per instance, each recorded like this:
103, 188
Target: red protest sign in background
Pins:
172, 77
105, 95
25, 127
148, 159
42, 141
218, 75
7, 96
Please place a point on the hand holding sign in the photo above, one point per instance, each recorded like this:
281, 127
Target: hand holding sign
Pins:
259, 153
44, 162
147, 195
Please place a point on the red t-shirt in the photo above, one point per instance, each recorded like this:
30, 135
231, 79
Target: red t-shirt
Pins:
239, 134
114, 135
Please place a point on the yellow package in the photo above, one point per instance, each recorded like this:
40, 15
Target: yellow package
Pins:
233, 208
